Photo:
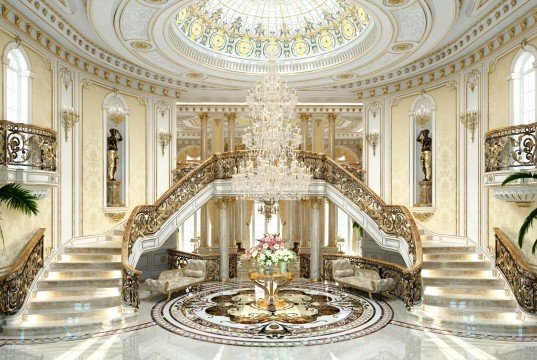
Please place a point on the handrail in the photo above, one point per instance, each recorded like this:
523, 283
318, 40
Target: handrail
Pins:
183, 169
148, 219
14, 285
522, 279
511, 147
28, 145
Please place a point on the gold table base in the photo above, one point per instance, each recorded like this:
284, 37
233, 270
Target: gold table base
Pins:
271, 301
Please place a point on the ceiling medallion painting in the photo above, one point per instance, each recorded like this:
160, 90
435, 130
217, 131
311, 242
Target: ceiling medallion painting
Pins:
291, 29
319, 314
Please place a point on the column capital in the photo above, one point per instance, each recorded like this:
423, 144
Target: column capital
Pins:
224, 202
332, 117
316, 202
231, 117
305, 117
204, 117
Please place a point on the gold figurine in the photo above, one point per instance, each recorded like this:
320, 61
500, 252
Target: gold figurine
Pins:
426, 154
113, 153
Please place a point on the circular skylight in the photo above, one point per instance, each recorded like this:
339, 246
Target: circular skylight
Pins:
253, 29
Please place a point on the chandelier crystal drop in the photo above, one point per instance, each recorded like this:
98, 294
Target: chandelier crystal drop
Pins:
272, 171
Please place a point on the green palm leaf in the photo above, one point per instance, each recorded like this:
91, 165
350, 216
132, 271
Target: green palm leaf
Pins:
519, 175
17, 198
528, 222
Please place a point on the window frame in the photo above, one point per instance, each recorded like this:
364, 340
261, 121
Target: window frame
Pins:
24, 83
517, 88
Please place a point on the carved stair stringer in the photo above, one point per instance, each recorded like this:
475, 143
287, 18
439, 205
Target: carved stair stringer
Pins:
149, 226
78, 289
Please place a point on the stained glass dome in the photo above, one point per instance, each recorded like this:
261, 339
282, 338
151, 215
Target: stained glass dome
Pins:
253, 29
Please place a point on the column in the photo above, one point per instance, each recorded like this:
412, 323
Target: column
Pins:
304, 118
318, 136
218, 136
332, 223
231, 227
305, 233
231, 117
204, 245
302, 214
223, 206
315, 246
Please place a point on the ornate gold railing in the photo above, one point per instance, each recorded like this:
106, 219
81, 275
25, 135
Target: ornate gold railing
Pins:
28, 146
147, 220
355, 169
409, 287
183, 169
521, 277
511, 147
178, 259
15, 284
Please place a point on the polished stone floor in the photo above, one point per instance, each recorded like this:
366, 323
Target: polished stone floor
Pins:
402, 338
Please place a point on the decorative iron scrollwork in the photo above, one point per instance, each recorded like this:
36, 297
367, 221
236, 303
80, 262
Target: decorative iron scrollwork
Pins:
131, 287
27, 145
521, 278
510, 148
178, 259
15, 284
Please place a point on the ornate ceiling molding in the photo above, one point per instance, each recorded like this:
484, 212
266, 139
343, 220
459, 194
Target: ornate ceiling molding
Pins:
183, 108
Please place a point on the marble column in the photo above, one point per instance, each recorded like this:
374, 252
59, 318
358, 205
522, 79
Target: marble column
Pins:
304, 118
315, 246
302, 206
305, 231
204, 241
332, 223
231, 118
223, 206
218, 136
318, 136
231, 228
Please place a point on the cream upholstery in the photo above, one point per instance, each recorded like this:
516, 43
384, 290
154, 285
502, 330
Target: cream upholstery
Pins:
171, 281
363, 279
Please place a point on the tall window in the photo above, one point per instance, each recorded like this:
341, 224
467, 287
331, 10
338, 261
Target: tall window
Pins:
524, 89
16, 86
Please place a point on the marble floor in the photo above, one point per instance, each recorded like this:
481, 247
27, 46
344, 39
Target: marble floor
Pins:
402, 338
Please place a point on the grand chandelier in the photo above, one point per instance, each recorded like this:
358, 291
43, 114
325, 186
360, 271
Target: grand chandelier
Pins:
272, 171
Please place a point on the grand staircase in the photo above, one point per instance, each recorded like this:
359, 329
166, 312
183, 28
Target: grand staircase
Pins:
78, 291
464, 291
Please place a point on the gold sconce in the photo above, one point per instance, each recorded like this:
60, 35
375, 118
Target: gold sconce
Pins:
116, 114
422, 115
469, 120
372, 139
165, 138
70, 118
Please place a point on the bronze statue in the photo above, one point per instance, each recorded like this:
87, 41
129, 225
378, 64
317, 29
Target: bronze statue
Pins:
426, 153
113, 153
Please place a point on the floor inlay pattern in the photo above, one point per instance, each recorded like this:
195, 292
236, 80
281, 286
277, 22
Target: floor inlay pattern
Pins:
226, 314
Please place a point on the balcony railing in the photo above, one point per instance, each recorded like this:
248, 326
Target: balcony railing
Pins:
511, 148
27, 146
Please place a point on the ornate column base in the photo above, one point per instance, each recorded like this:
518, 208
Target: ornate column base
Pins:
426, 193
113, 193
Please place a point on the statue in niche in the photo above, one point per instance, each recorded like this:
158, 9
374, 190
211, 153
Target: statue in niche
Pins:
113, 153
426, 154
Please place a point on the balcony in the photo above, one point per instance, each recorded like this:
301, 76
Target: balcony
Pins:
509, 150
28, 156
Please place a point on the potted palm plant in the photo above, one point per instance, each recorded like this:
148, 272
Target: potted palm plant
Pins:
528, 222
15, 197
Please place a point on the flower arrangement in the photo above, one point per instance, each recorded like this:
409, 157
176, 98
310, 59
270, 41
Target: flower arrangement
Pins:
271, 250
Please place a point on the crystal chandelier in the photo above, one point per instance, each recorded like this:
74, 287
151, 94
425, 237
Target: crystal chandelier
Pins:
116, 114
272, 172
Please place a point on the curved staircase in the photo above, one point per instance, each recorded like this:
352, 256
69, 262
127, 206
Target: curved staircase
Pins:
464, 291
79, 290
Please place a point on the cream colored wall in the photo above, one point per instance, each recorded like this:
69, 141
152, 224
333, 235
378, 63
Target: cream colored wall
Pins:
17, 228
94, 220
444, 219
506, 216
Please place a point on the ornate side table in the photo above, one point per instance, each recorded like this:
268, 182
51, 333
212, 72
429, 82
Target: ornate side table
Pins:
271, 284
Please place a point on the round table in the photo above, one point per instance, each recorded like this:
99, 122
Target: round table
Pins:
271, 284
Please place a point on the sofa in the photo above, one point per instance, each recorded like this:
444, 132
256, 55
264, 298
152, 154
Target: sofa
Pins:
347, 275
172, 281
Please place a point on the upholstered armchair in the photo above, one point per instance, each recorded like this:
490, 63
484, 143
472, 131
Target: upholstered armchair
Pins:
362, 279
172, 281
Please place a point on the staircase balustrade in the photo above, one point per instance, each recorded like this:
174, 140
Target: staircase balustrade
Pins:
511, 148
148, 219
15, 284
522, 279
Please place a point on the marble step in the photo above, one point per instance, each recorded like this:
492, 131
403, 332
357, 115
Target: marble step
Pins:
468, 300
85, 265
45, 294
92, 250
438, 249
74, 302
475, 313
462, 280
70, 316
456, 264
61, 327
453, 257
114, 238
81, 273
461, 290
79, 282
90, 258
442, 273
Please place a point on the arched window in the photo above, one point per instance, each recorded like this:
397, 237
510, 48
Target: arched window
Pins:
523, 90
16, 85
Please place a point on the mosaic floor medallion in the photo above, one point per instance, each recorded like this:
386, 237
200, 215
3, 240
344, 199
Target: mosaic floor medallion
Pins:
228, 314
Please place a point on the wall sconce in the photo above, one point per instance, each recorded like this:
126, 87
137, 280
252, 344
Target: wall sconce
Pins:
70, 118
422, 115
165, 138
469, 120
116, 114
372, 138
